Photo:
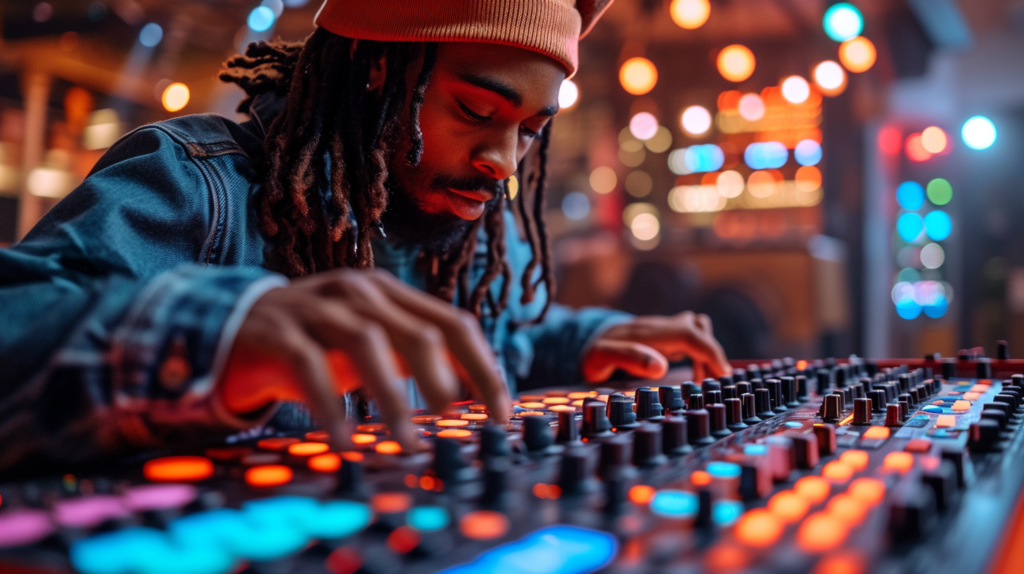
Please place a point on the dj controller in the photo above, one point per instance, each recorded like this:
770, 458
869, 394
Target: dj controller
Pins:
828, 467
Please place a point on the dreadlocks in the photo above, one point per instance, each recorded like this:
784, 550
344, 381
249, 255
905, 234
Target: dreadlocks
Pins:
320, 214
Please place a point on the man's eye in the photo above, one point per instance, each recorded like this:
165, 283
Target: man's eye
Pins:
471, 114
529, 133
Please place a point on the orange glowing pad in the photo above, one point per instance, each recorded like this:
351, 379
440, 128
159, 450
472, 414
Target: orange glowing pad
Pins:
847, 562
759, 528
277, 443
821, 533
700, 478
972, 396
789, 506
813, 488
178, 469
532, 405
308, 448
876, 432
979, 388
428, 482
451, 423
547, 491
556, 401
403, 539
961, 406
945, 421
726, 557
532, 414
388, 447
352, 456
326, 462
641, 494
846, 508
318, 435
455, 433
837, 471
425, 419
483, 525
898, 462
390, 502
474, 416
268, 475
870, 491
582, 394
577, 403
562, 408
856, 459
918, 445
363, 438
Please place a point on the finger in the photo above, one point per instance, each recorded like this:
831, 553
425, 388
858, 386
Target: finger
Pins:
721, 364
636, 359
465, 340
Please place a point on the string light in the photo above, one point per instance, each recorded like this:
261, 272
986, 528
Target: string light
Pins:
638, 76
796, 90
751, 107
830, 78
175, 97
690, 14
736, 63
643, 126
934, 140
696, 120
979, 133
857, 54
843, 21
915, 150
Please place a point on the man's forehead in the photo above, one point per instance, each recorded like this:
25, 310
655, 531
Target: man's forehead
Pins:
513, 73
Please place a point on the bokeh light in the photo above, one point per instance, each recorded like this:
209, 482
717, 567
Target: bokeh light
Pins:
932, 256
696, 120
910, 195
938, 225
575, 205
690, 14
796, 90
830, 77
661, 140
766, 155
643, 126
934, 140
915, 149
843, 21
807, 178
151, 35
603, 179
261, 19
568, 93
175, 97
706, 157
908, 309
729, 101
940, 192
807, 152
645, 226
677, 162
909, 226
890, 140
638, 183
751, 107
736, 63
858, 54
763, 183
730, 184
638, 76
979, 133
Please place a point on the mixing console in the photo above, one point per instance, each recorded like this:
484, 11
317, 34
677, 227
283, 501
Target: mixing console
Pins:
849, 468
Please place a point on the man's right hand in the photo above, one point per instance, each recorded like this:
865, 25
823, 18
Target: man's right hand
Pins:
333, 332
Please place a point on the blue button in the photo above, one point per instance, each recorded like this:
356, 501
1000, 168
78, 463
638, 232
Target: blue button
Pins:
755, 449
244, 537
932, 409
427, 518
674, 504
794, 424
726, 512
146, 551
559, 549
719, 469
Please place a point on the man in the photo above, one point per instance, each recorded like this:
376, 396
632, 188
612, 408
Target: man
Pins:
207, 272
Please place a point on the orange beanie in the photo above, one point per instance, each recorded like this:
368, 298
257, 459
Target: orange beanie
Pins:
551, 27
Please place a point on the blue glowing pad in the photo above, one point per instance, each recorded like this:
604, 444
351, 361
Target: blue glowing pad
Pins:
794, 424
242, 536
427, 518
726, 512
720, 469
755, 449
674, 504
145, 551
553, 550
333, 519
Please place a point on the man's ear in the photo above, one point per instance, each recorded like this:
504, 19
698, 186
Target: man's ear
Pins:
378, 73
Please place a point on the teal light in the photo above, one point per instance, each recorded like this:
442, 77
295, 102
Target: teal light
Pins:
427, 518
726, 512
674, 504
720, 469
842, 22
979, 133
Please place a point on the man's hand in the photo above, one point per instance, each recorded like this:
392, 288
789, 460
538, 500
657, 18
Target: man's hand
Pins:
644, 346
333, 332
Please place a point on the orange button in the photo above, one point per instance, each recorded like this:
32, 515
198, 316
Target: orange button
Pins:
898, 462
700, 478
556, 401
856, 459
582, 394
821, 533
837, 471
390, 502
876, 432
843, 562
813, 488
918, 445
178, 468
961, 406
789, 506
641, 494
562, 408
979, 388
483, 525
532, 414
451, 423
945, 421
363, 438
532, 405
388, 447
326, 462
425, 419
870, 491
846, 508
474, 416
268, 475
318, 435
455, 433
759, 528
307, 448
577, 403
277, 443
972, 396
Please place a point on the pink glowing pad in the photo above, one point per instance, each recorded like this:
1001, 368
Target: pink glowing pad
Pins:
24, 526
88, 511
159, 496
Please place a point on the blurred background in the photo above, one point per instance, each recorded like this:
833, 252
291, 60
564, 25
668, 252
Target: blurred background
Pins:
820, 178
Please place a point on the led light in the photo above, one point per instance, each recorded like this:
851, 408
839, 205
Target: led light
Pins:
843, 21
751, 107
908, 309
759, 528
702, 158
870, 491
795, 90
940, 192
483, 525
638, 76
696, 120
910, 226
603, 180
814, 488
934, 140
937, 225
736, 63
308, 448
674, 504
388, 447
830, 77
326, 462
789, 506
175, 97
690, 14
807, 152
730, 184
643, 126
855, 459
858, 54
807, 178
261, 19
899, 462
979, 133
837, 471
910, 195
363, 438
640, 494
151, 35
178, 469
268, 475
568, 93
575, 205
645, 226
766, 155
427, 518
459, 433
932, 256
456, 422
762, 184
821, 532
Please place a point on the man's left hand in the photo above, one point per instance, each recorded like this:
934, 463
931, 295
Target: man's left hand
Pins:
644, 346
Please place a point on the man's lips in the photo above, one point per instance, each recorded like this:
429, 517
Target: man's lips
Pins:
476, 195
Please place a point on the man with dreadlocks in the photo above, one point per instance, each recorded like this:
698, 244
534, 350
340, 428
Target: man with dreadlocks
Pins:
358, 230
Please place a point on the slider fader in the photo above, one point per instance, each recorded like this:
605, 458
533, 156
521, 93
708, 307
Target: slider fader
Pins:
823, 467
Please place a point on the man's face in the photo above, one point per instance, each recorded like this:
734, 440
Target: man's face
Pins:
483, 108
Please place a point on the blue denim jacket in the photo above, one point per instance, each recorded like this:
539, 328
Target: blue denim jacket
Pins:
117, 309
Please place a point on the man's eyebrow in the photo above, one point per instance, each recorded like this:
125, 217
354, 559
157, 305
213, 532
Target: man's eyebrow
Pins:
504, 90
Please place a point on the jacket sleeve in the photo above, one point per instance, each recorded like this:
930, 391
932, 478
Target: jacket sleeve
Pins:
112, 325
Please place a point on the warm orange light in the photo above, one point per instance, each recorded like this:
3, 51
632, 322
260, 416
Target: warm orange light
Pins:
577, 403
789, 506
876, 433
530, 405
968, 396
451, 423
403, 539
425, 419
725, 557
455, 433
915, 150
175, 97
857, 54
690, 14
562, 408
846, 508
308, 448
980, 388
352, 456
474, 416
934, 140
837, 471
582, 394
857, 459
326, 462
483, 525
641, 494
736, 63
870, 491
729, 101
428, 482
533, 413
801, 365
814, 488
759, 528
178, 469
808, 178
268, 475
638, 76
547, 491
556, 401
388, 447
390, 502
277, 443
700, 478
846, 562
898, 462
363, 438
944, 421
821, 533
318, 435
961, 406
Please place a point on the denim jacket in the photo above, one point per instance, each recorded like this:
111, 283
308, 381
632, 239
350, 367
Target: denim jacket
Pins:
117, 309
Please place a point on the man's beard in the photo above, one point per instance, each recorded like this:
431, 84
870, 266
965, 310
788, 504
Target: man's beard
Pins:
407, 223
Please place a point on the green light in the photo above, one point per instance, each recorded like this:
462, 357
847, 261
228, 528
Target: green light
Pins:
940, 192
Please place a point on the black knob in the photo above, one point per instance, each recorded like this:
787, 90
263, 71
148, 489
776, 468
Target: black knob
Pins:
698, 426
595, 422
730, 392
743, 388
908, 397
494, 442
778, 402
717, 417
878, 400
862, 411
568, 429
749, 409
734, 414
984, 436
710, 385
826, 434
1002, 350
615, 488
958, 455
904, 409
833, 408
943, 482
764, 403
674, 439
647, 445
996, 415
1001, 407
689, 389
866, 384
703, 519
573, 477
755, 481
984, 367
1018, 380
616, 453
805, 447
620, 412
801, 388
495, 481
1008, 398
671, 399
912, 511
756, 384
725, 380
648, 406
448, 463
840, 375
948, 369
696, 402
713, 398
789, 392
537, 435
904, 382
350, 478
893, 416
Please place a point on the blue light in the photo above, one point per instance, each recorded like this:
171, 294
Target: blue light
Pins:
151, 35
427, 518
560, 549
295, 3
908, 309
706, 157
938, 308
766, 155
575, 205
937, 225
794, 424
720, 469
726, 512
910, 195
261, 19
807, 152
674, 504
979, 133
910, 226
243, 537
755, 449
333, 519
145, 550
842, 22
